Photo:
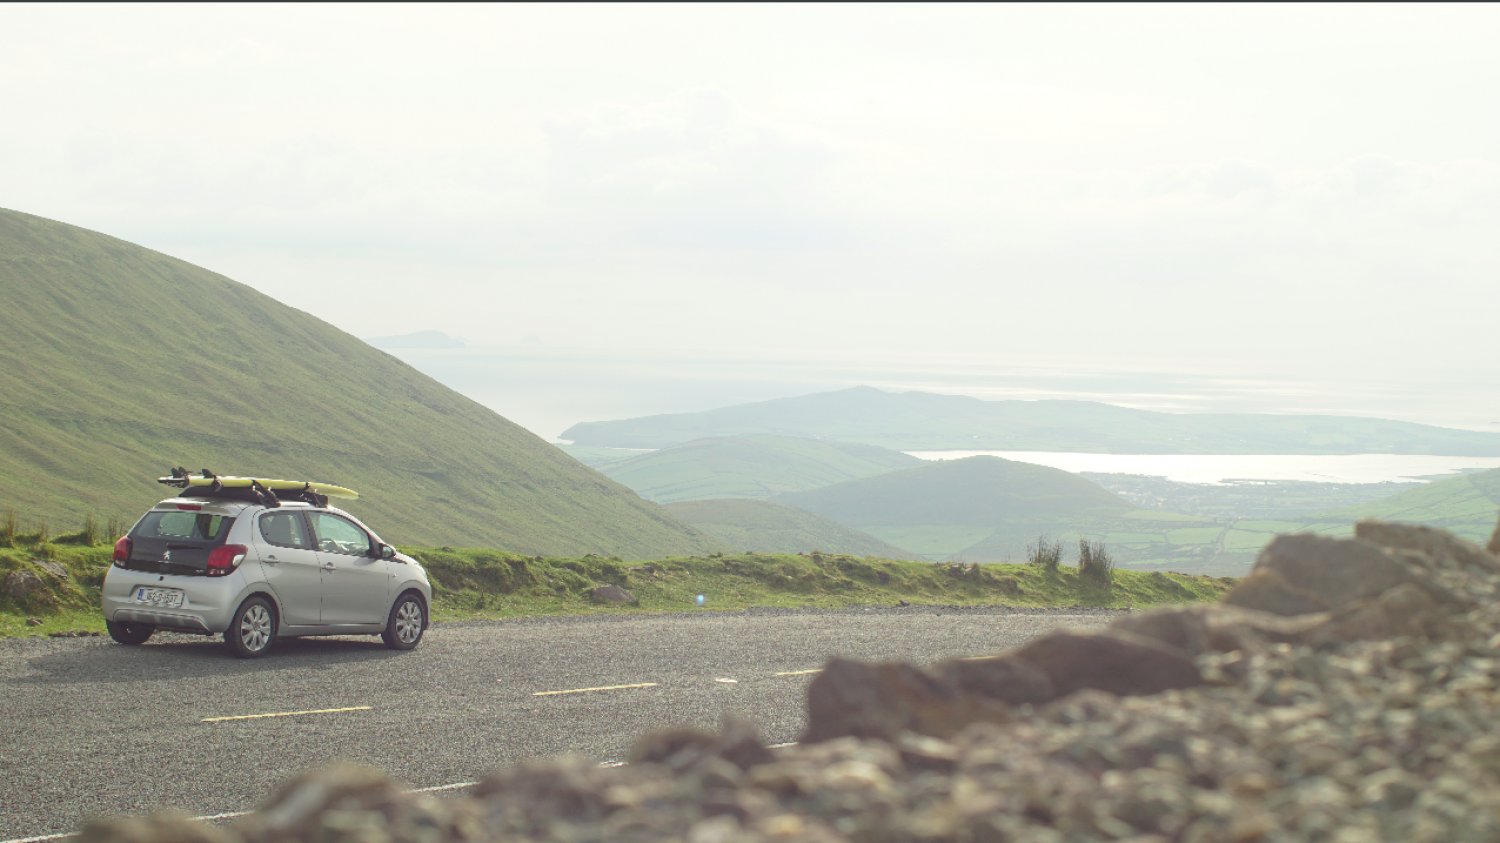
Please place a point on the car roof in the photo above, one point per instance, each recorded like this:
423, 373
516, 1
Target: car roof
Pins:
223, 505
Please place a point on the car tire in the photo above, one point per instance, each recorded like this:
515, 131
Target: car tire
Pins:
131, 634
408, 618
252, 629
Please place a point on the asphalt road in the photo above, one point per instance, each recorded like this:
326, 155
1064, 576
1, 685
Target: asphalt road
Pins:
91, 727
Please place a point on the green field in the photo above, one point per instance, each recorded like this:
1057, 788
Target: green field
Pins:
765, 527
1465, 505
473, 583
117, 362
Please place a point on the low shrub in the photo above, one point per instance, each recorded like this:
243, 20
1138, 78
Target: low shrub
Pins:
1045, 554
1095, 563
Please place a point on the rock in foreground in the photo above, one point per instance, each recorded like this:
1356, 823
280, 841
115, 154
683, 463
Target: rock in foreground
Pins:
1348, 701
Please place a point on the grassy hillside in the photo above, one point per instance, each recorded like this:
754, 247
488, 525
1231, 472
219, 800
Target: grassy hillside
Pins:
750, 467
1466, 505
600, 457
921, 421
975, 492
940, 509
765, 527
486, 583
117, 362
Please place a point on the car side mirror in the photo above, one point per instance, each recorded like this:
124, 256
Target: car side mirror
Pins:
387, 552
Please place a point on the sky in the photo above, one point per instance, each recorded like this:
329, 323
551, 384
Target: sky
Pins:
1277, 191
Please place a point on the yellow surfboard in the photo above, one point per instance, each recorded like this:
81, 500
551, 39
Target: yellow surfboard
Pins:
229, 482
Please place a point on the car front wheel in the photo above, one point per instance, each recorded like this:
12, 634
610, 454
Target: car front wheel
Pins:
129, 633
404, 627
252, 629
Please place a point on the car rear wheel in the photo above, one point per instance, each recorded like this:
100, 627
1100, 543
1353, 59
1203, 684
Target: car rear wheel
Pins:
404, 627
129, 633
252, 629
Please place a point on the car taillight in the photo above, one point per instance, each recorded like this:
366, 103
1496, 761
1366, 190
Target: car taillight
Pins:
122, 550
225, 558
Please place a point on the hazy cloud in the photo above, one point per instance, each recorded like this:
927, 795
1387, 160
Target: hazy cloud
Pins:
1263, 187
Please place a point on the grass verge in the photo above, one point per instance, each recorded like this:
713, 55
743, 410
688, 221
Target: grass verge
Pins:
479, 583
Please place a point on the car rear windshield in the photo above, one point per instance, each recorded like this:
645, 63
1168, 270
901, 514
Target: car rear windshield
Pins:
184, 527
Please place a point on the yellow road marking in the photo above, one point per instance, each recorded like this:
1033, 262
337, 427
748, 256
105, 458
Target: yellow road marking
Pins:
286, 714
798, 672
589, 690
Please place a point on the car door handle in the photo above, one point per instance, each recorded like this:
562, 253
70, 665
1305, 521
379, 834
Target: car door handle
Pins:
271, 560
328, 566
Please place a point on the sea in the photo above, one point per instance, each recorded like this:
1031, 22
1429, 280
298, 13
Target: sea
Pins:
1219, 469
547, 390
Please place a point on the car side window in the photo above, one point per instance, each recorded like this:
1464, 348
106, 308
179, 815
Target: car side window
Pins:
339, 535
284, 529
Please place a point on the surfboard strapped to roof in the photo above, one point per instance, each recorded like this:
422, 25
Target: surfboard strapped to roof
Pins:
264, 490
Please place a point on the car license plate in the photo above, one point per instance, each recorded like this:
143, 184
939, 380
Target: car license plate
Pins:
169, 597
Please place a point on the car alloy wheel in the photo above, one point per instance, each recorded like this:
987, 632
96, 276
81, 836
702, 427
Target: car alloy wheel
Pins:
409, 622
252, 630
404, 627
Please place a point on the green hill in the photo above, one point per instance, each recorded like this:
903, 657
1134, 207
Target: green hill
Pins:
750, 467
939, 509
1466, 506
978, 491
117, 362
911, 421
764, 527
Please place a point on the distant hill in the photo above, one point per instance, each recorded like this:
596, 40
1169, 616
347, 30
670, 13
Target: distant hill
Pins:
912, 421
117, 362
978, 491
750, 467
419, 339
763, 527
939, 509
1467, 506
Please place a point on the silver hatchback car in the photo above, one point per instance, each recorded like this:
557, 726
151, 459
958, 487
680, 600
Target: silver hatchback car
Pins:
255, 572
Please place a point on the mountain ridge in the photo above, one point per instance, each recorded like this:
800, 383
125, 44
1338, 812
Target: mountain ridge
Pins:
123, 361
756, 466
919, 421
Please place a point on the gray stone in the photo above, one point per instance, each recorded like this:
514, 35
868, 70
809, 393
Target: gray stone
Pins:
1217, 628
613, 595
1113, 662
850, 698
737, 742
1005, 678
164, 827
28, 591
1441, 546
1267, 591
21, 585
1308, 573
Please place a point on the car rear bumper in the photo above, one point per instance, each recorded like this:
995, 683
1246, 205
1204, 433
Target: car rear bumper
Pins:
208, 602
162, 620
